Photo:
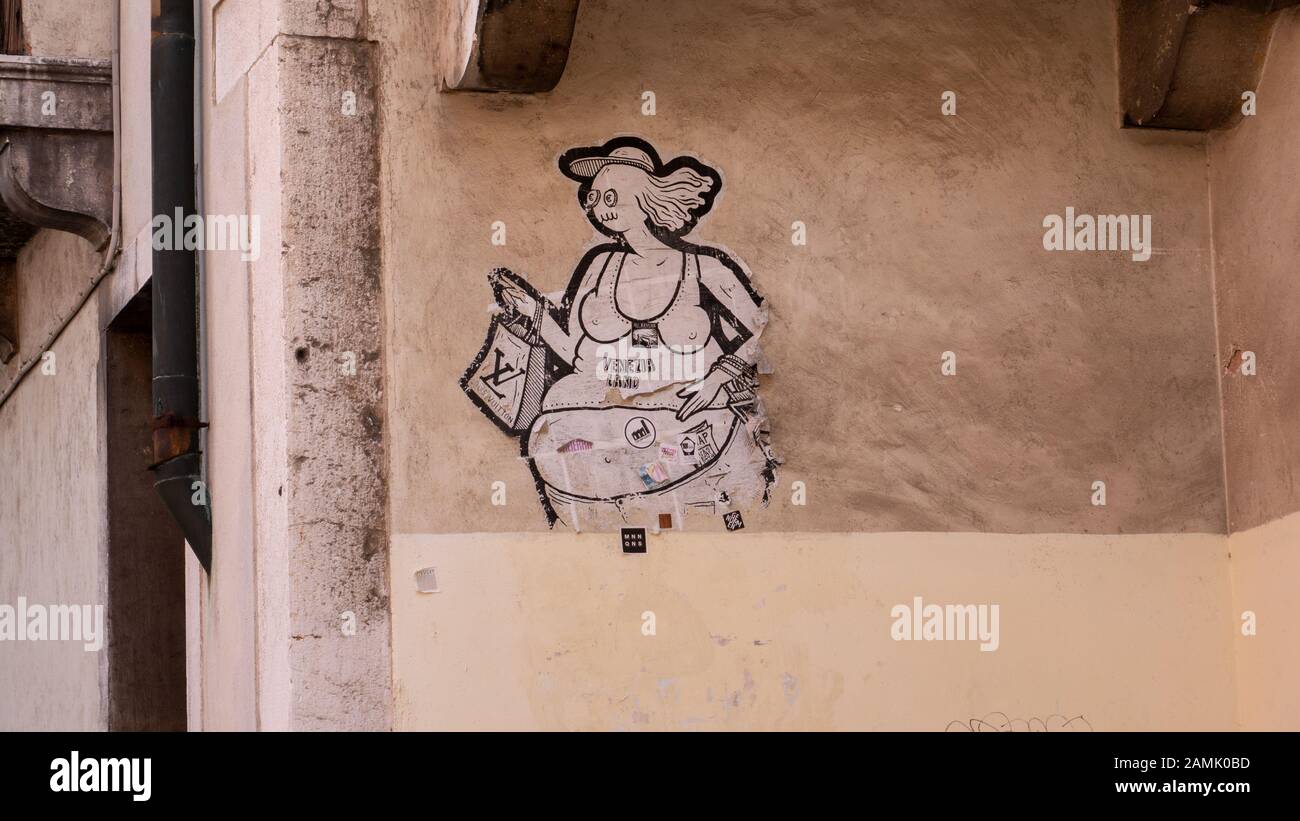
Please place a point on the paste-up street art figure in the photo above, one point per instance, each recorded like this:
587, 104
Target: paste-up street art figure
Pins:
636, 396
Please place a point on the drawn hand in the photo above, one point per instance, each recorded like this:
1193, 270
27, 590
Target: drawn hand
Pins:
515, 300
701, 393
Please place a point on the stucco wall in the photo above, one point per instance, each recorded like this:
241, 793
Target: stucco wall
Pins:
50, 273
52, 494
792, 631
58, 28
53, 533
1255, 204
924, 236
1255, 207
1265, 566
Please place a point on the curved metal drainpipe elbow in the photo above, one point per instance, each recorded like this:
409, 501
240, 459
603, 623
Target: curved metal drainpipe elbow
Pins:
176, 454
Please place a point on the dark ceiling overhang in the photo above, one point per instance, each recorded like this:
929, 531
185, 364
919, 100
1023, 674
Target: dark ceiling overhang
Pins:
512, 45
1185, 64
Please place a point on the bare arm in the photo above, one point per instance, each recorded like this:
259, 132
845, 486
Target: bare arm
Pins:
727, 289
734, 372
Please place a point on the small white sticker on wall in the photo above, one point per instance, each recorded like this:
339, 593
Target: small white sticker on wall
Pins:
426, 580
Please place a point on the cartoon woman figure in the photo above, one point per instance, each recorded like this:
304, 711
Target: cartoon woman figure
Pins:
650, 401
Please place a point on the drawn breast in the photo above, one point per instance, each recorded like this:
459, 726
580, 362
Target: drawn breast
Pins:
686, 325
600, 319
685, 328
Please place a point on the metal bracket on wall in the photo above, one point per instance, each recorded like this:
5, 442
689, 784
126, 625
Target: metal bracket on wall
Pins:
512, 45
1184, 64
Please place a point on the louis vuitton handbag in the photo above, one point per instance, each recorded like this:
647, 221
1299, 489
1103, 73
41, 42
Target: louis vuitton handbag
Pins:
509, 376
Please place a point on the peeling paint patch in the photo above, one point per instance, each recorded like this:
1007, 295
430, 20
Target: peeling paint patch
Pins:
1234, 361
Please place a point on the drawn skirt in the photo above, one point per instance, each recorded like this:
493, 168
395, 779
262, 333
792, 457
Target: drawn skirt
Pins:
639, 460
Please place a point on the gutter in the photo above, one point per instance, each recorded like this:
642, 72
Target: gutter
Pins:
177, 456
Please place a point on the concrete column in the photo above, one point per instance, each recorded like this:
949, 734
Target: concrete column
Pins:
306, 467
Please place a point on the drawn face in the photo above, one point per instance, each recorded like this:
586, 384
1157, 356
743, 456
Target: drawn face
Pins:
611, 201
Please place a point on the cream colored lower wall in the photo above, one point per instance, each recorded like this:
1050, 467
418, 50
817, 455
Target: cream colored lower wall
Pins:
1265, 574
792, 631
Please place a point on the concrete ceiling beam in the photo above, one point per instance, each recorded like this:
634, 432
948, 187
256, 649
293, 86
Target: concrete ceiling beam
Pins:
56, 149
510, 45
1185, 64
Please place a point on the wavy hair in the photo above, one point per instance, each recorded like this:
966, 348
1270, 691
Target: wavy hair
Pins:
669, 200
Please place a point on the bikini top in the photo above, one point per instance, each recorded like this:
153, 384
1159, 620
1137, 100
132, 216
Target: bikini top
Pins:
681, 325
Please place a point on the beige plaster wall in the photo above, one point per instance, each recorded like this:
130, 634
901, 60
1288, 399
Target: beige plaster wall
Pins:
924, 236
1255, 206
792, 631
52, 494
50, 273
1265, 569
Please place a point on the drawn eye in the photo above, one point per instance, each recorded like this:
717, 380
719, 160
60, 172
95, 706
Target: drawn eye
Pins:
593, 197
611, 198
